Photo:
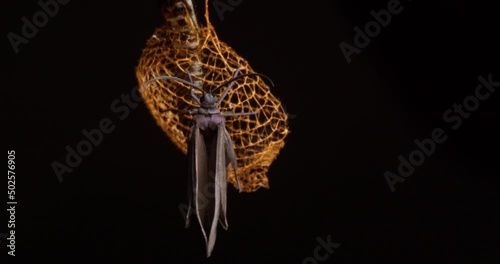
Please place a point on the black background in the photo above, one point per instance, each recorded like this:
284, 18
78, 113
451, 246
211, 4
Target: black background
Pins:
349, 123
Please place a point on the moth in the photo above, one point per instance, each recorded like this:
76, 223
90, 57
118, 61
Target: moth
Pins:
184, 42
210, 151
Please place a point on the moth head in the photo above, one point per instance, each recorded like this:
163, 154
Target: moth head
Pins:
208, 100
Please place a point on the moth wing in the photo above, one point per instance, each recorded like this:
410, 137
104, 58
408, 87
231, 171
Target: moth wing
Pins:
200, 183
191, 173
207, 164
223, 160
218, 157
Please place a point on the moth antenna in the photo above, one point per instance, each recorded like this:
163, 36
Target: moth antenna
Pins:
167, 77
229, 87
236, 78
189, 76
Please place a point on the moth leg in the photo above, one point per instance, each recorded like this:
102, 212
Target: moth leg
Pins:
231, 156
239, 114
